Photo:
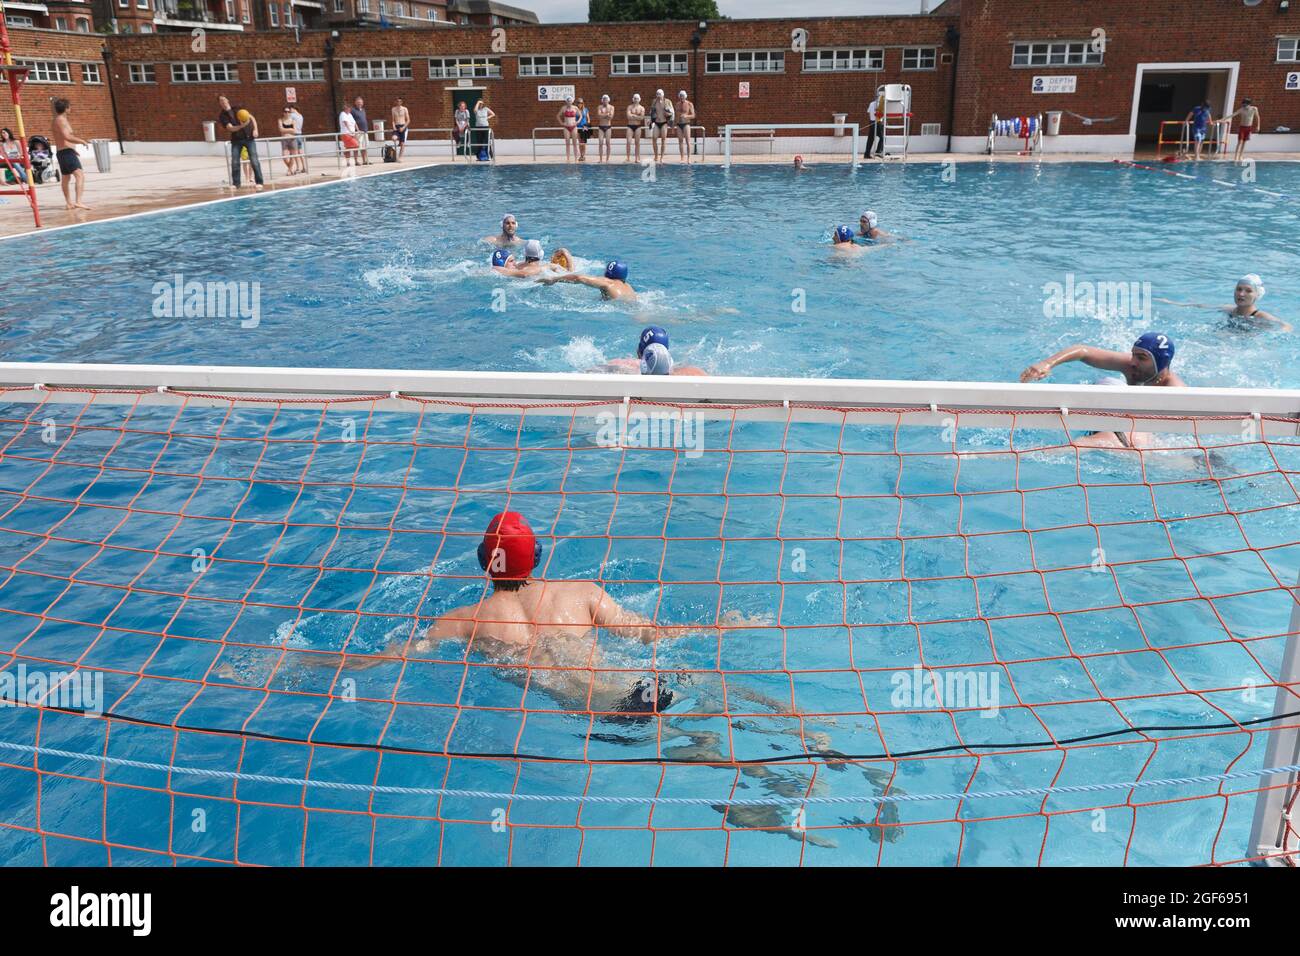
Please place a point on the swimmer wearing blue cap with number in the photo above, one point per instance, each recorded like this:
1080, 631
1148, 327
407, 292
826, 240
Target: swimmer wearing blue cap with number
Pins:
613, 285
844, 241
507, 265
1148, 363
652, 357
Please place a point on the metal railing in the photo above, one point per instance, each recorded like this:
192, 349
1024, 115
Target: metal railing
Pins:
697, 138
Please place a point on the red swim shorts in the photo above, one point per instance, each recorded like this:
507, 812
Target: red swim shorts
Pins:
1243, 133
350, 142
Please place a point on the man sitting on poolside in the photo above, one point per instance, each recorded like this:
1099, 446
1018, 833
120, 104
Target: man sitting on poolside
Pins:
509, 233
652, 357
613, 285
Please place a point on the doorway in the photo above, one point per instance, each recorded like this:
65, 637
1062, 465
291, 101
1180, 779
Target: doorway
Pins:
1168, 91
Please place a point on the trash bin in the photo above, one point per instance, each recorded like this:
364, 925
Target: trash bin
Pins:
209, 131
379, 129
103, 158
1052, 127
839, 121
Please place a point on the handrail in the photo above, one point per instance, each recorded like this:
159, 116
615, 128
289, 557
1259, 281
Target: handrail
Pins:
699, 138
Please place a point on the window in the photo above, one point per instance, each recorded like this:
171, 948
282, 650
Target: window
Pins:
451, 69
146, 28
90, 74
919, 58
83, 25
645, 64
142, 4
280, 71
844, 61
274, 10
745, 61
568, 65
16, 21
433, 13
375, 69
204, 73
141, 73
338, 6
244, 13
46, 71
1056, 53
123, 3
230, 11
60, 23
363, 6
1288, 49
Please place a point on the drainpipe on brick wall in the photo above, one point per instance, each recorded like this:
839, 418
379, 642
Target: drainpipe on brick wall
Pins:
329, 69
112, 98
953, 38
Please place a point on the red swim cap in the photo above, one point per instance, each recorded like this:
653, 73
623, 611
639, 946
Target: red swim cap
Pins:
509, 540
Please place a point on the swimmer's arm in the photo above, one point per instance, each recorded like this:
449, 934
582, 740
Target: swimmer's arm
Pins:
1270, 317
613, 617
597, 282
1087, 354
1192, 305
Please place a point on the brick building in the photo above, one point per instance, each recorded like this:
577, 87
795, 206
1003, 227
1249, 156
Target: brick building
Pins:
1120, 65
76, 16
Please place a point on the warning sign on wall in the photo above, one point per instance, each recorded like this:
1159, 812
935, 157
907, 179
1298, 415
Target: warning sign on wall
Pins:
1293, 81
290, 94
744, 90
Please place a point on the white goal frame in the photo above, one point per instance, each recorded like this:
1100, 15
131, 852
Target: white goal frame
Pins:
838, 127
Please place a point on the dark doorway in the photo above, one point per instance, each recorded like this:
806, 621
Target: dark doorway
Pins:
1171, 96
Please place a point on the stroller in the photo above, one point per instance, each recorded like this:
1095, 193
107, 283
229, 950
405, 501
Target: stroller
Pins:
44, 168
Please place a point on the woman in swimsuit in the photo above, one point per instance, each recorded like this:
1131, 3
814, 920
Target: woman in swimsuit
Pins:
288, 141
1245, 312
635, 120
568, 120
685, 117
604, 119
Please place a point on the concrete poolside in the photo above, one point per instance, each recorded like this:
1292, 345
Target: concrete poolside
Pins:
144, 183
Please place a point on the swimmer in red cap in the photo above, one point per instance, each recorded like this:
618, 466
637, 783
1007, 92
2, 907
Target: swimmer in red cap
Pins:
548, 625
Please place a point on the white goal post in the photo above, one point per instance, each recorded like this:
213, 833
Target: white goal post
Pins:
839, 128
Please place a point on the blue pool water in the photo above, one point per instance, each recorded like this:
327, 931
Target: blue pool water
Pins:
388, 272
865, 552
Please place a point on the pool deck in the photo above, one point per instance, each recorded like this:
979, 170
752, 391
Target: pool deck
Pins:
149, 183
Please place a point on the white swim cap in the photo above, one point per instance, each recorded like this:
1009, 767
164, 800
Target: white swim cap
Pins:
506, 217
655, 360
1253, 280
871, 218
681, 94
532, 249
659, 92
636, 97
604, 97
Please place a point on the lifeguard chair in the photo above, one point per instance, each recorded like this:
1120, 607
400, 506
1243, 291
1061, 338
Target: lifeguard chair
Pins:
896, 123
14, 77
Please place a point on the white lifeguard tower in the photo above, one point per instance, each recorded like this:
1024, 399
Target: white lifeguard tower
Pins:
896, 121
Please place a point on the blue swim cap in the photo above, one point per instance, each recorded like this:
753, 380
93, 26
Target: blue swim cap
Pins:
499, 257
616, 270
843, 234
1159, 346
649, 336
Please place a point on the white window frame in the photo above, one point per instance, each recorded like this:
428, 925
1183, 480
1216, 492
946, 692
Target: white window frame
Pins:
88, 68
730, 62
918, 55
288, 71
465, 67
54, 72
83, 25
141, 73
856, 59
15, 20
273, 11
1289, 45
338, 6
348, 69
1037, 54
619, 63
363, 6
568, 64
205, 71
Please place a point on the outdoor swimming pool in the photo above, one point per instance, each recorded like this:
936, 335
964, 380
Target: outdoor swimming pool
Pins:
866, 551
387, 272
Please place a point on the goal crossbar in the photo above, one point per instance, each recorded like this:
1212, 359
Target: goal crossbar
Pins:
837, 127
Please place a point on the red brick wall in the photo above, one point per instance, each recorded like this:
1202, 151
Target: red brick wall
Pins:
1149, 31
92, 113
164, 111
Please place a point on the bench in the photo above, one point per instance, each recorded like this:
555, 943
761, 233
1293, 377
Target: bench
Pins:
738, 135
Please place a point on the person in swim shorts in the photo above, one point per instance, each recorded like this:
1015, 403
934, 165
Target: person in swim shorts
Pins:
661, 114
685, 119
613, 285
1198, 121
401, 117
604, 120
635, 121
1248, 122
65, 142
